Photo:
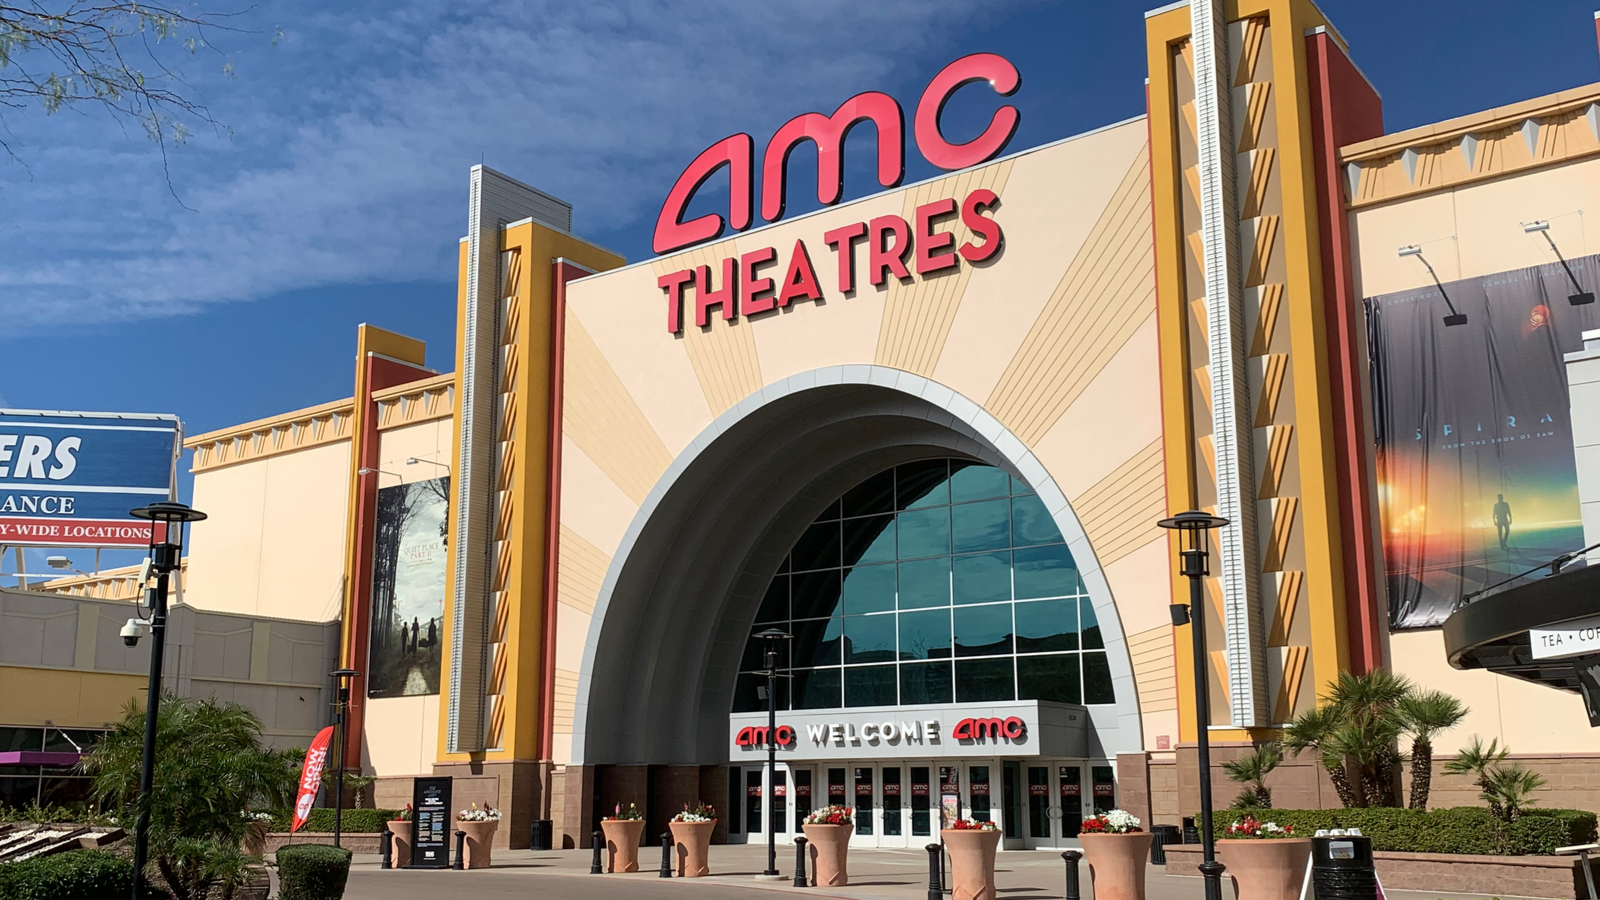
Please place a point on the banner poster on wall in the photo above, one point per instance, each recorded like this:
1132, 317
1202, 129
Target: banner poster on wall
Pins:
1475, 465
408, 572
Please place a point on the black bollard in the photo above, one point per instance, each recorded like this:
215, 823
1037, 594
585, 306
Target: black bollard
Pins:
800, 861
935, 872
666, 854
387, 849
461, 850
594, 864
1072, 857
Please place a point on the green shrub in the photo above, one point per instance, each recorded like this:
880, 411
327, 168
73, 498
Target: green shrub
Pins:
1464, 829
75, 875
354, 821
312, 872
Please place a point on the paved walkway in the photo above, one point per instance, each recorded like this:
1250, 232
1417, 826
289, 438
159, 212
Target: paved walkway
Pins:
874, 875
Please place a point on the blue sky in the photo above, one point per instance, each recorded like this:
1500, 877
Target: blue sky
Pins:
337, 194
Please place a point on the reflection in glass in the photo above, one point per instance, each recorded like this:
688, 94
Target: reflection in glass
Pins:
869, 540
775, 605
869, 639
982, 577
868, 589
925, 634
980, 526
925, 683
1046, 625
1048, 678
869, 686
816, 642
818, 548
1097, 679
983, 630
816, 689
980, 680
924, 583
924, 532
1031, 522
922, 484
1091, 627
815, 595
974, 481
1044, 572
875, 495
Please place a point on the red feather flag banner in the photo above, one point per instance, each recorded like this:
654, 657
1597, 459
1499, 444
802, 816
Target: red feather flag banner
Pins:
311, 777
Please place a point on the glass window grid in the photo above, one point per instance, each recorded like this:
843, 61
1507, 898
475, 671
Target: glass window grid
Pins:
834, 514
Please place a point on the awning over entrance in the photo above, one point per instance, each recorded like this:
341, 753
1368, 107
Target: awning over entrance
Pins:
1493, 632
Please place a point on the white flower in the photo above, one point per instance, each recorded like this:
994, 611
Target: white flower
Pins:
1121, 821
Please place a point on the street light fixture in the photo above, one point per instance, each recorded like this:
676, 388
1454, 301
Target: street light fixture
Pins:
1194, 547
1455, 318
1579, 296
771, 637
165, 555
413, 460
342, 679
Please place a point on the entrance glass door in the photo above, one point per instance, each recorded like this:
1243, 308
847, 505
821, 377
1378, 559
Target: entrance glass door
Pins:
785, 816
922, 818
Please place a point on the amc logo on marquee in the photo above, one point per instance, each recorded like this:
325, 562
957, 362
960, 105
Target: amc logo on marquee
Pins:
1011, 728
753, 736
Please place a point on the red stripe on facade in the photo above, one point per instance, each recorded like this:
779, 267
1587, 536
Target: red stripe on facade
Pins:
560, 273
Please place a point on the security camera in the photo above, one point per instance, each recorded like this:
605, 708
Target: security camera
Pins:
131, 633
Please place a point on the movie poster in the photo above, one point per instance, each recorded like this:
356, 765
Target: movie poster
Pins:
1475, 466
408, 570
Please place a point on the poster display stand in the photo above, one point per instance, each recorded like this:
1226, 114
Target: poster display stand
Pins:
433, 816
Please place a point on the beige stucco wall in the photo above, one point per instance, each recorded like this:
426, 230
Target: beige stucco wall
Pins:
273, 544
1469, 232
1056, 338
1473, 230
432, 440
1526, 717
400, 736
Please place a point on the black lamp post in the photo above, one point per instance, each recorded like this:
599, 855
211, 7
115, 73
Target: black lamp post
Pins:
342, 679
1194, 538
165, 555
771, 637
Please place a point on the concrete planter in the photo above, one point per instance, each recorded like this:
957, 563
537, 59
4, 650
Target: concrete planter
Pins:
400, 848
479, 850
622, 843
1117, 863
971, 862
693, 840
1266, 869
830, 848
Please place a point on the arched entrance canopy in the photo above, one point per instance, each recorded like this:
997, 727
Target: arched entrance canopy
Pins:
663, 648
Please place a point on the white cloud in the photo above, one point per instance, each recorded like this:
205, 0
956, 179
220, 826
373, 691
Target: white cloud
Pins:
353, 138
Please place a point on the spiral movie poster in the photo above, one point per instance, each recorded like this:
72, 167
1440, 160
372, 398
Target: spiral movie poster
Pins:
408, 576
1477, 479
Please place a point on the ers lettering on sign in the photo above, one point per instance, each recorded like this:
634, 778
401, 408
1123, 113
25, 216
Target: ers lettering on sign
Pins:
828, 133
744, 285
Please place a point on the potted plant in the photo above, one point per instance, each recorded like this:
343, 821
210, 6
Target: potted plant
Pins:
257, 824
828, 831
623, 831
971, 845
1266, 862
691, 832
400, 851
1117, 851
479, 825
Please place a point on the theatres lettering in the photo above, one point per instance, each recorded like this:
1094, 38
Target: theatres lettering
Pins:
905, 250
736, 153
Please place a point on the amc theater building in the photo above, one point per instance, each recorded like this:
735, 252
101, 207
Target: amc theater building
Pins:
926, 435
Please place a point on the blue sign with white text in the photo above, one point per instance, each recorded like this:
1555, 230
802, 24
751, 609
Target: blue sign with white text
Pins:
69, 478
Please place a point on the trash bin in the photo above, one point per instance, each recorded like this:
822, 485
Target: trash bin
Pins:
543, 835
1342, 869
1164, 835
1191, 834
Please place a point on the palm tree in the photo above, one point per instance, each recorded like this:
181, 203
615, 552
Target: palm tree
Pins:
1512, 787
1370, 703
1367, 742
1251, 770
212, 767
1481, 762
1312, 730
1423, 716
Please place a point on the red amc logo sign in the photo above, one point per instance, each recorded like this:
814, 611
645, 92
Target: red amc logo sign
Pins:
1011, 728
737, 153
752, 736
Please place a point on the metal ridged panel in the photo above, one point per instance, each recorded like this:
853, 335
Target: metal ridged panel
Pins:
494, 200
1238, 563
